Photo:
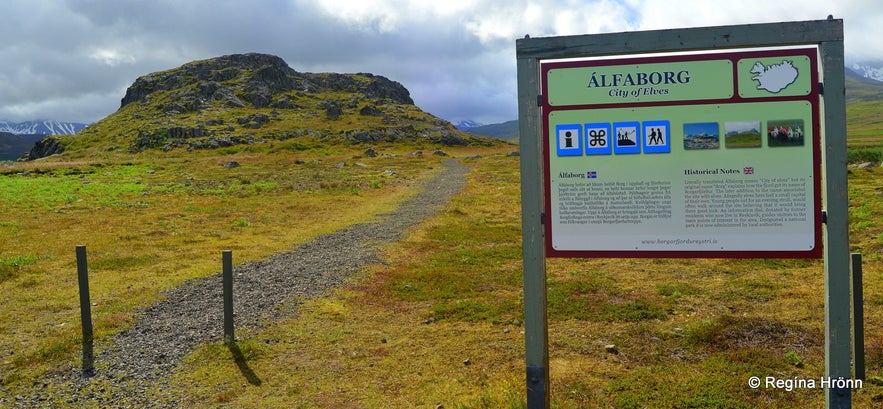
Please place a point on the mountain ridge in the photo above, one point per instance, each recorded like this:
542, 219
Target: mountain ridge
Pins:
505, 130
467, 124
871, 70
41, 127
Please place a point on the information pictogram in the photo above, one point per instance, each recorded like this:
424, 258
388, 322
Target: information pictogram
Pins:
569, 137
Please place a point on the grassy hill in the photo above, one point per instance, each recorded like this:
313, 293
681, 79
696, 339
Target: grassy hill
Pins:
859, 88
145, 190
506, 130
864, 127
257, 100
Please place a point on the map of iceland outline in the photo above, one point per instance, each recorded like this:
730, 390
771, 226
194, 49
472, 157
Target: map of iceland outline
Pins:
775, 77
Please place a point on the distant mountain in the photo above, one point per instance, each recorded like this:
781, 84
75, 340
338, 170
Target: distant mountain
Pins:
41, 127
862, 88
14, 146
466, 125
857, 76
506, 130
864, 103
870, 70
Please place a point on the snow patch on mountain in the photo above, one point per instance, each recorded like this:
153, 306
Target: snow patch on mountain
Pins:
873, 71
467, 124
41, 127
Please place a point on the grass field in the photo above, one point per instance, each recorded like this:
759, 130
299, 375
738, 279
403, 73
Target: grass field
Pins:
865, 131
150, 223
437, 325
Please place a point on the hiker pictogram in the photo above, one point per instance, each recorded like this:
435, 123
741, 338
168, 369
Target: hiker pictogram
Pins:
627, 136
657, 138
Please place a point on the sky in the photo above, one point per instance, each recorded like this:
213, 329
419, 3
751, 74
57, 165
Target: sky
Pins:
72, 60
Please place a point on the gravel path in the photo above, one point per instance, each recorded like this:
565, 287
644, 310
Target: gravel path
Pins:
192, 314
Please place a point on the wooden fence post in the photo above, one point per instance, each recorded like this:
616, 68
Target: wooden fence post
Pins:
85, 312
227, 261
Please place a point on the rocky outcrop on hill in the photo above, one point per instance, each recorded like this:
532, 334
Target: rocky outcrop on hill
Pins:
256, 79
257, 98
47, 146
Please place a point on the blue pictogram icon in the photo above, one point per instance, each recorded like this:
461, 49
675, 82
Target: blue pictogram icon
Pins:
569, 139
627, 138
598, 139
657, 138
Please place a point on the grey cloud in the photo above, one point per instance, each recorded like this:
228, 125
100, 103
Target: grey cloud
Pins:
76, 57
81, 52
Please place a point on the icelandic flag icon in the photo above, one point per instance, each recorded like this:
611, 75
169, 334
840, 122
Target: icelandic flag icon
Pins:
748, 170
592, 174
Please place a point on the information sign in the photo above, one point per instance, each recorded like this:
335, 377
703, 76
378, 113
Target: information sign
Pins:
711, 155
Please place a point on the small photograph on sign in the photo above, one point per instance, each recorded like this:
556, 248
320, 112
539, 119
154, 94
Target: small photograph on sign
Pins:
656, 137
742, 134
702, 135
788, 132
568, 137
598, 139
627, 137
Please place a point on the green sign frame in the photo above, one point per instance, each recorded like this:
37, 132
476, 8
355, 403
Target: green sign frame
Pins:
684, 155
